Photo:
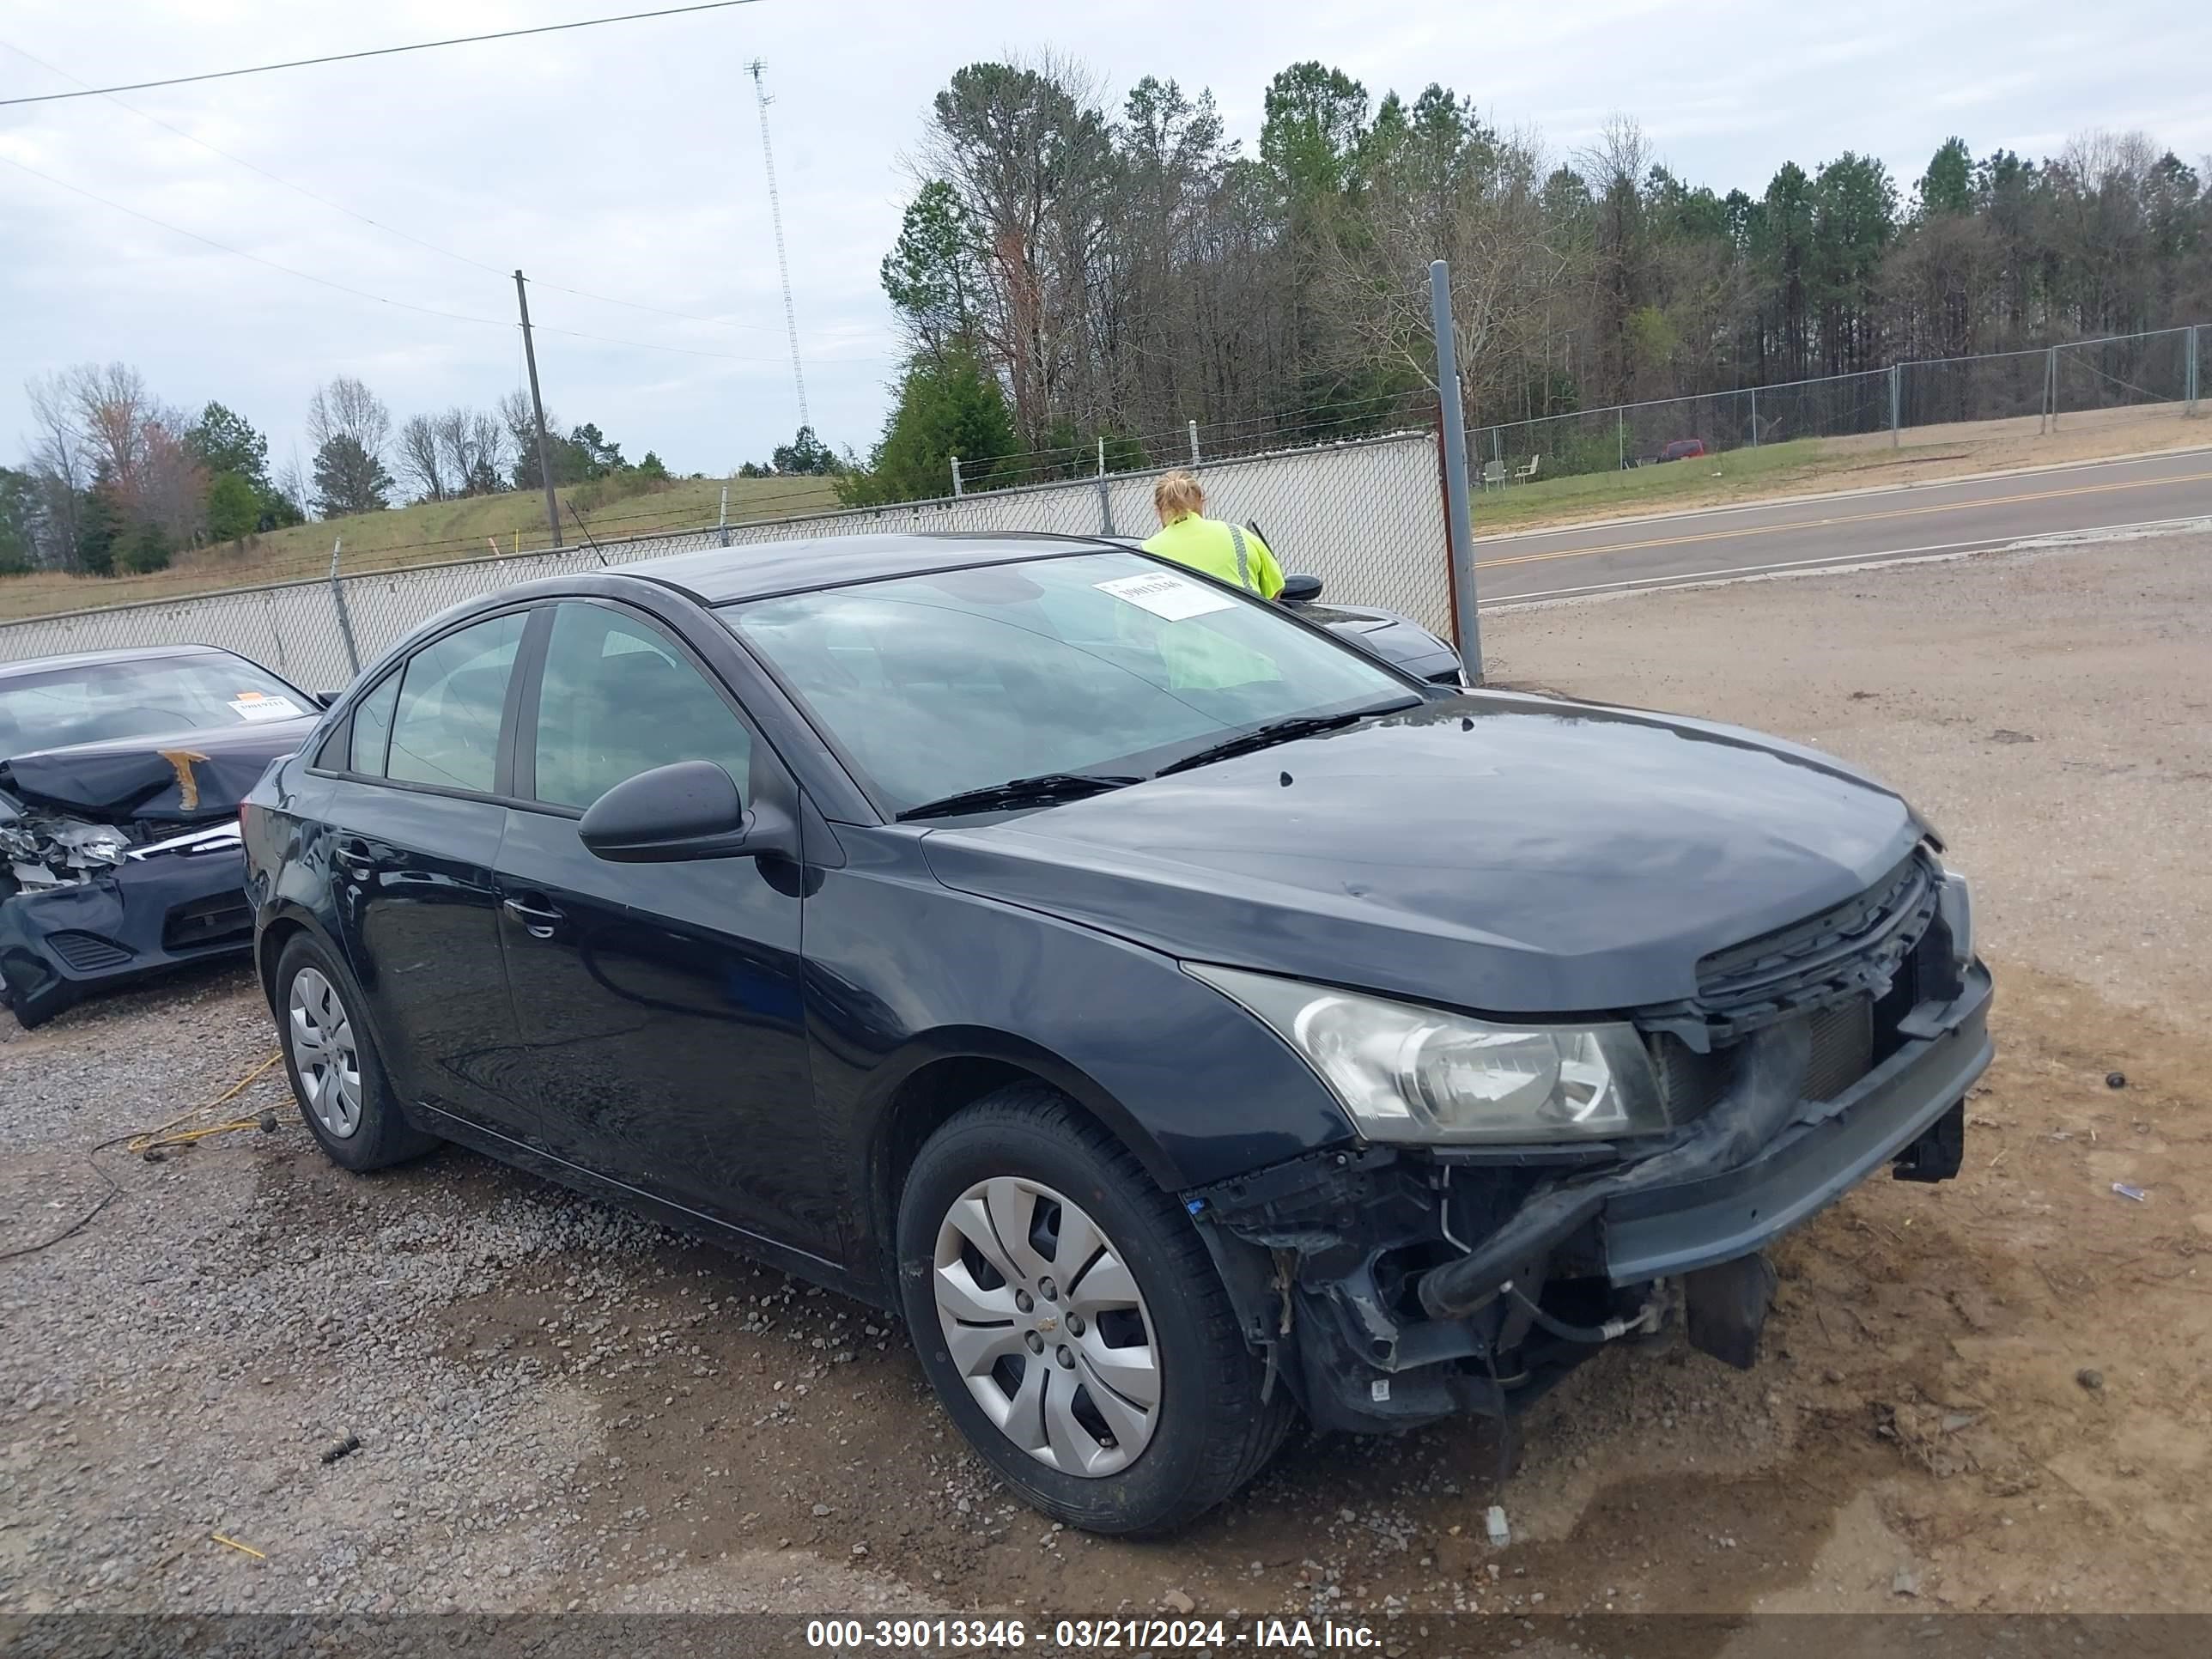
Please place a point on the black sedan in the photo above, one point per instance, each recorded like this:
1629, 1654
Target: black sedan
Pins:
120, 775
1182, 1017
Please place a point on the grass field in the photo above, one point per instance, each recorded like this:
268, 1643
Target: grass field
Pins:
422, 534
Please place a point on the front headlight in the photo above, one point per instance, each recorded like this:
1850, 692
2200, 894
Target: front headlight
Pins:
1409, 1073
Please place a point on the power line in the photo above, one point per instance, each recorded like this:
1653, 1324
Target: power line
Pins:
386, 299
238, 253
390, 230
376, 51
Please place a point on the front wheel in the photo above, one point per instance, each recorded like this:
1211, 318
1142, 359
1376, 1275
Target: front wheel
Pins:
1072, 1323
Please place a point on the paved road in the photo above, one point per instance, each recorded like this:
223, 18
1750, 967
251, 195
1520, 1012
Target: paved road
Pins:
1907, 522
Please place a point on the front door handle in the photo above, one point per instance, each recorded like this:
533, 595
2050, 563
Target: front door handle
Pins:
539, 922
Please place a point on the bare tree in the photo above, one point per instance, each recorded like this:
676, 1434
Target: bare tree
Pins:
114, 413
1614, 168
471, 449
346, 408
170, 487
420, 459
292, 482
60, 465
99, 427
1443, 186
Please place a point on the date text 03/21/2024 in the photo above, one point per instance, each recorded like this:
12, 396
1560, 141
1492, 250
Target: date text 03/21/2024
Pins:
1191, 1634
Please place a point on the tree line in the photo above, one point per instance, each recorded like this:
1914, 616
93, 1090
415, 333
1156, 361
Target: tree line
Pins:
1065, 270
117, 481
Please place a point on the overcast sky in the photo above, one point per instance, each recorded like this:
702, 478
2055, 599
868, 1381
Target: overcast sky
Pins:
627, 160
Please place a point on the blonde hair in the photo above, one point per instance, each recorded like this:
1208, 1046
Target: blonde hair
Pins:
1177, 493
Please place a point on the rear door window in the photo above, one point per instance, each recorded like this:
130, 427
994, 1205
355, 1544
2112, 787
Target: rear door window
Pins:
445, 729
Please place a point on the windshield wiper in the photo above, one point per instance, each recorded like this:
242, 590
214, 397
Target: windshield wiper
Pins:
1040, 790
1275, 732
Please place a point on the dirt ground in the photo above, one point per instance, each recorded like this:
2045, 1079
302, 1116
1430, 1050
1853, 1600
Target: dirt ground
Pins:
1988, 1395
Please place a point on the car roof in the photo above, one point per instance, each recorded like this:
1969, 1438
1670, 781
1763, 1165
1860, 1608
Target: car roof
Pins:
720, 574
128, 653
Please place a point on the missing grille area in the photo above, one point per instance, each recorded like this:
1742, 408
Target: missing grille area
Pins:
1852, 950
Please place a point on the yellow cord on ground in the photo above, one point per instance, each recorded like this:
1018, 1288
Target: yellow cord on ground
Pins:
170, 1134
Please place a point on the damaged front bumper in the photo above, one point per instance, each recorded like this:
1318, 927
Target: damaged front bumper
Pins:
1389, 1287
173, 900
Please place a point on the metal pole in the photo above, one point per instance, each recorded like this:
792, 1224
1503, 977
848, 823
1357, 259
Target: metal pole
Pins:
956, 474
1459, 519
538, 404
1194, 443
1105, 493
337, 599
2051, 390
1896, 380
1754, 417
722, 518
1621, 425
2190, 408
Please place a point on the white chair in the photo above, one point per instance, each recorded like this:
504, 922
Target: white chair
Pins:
1494, 475
1525, 474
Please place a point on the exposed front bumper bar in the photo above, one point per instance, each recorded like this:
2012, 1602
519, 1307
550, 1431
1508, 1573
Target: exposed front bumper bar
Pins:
1760, 1162
1374, 1278
1659, 1231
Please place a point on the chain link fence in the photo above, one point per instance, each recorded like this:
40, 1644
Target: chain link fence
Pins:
1365, 515
1928, 401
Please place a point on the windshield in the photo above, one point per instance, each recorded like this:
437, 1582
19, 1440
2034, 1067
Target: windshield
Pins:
90, 702
1100, 663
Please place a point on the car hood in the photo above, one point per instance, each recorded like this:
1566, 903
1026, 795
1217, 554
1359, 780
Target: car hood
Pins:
179, 777
1397, 639
1498, 852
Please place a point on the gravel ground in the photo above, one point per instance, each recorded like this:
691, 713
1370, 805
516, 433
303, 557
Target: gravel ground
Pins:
560, 1405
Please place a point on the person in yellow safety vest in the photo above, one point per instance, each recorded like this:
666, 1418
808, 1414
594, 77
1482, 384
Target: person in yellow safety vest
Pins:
1228, 552
1196, 655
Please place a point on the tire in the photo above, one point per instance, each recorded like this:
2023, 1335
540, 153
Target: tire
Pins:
349, 1108
1024, 1161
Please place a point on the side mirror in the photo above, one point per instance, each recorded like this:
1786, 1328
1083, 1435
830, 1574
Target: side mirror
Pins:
690, 810
1298, 590
325, 698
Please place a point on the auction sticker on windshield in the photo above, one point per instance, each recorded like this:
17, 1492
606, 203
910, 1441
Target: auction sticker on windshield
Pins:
259, 706
1167, 595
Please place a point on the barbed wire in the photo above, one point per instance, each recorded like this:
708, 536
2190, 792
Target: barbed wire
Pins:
1168, 446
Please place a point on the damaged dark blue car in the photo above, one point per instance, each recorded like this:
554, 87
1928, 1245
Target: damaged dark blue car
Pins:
120, 777
1183, 1018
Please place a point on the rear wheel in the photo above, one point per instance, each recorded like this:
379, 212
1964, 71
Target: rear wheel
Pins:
344, 1097
1069, 1317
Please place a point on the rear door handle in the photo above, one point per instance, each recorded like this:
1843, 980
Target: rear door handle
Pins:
352, 858
539, 922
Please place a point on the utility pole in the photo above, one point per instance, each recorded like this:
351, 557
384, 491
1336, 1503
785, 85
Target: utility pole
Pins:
536, 403
775, 216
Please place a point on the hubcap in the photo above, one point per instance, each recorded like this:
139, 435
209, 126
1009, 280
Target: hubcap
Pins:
321, 1036
1045, 1324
